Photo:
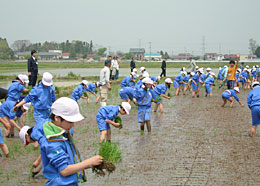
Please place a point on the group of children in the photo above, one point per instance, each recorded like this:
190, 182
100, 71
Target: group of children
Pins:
54, 119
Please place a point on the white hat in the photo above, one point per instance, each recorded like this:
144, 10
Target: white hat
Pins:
23, 133
219, 68
213, 74
147, 80
257, 66
168, 80
247, 66
236, 89
196, 67
85, 82
23, 78
225, 66
239, 70
133, 74
201, 70
245, 69
126, 106
145, 75
67, 108
158, 78
255, 83
142, 68
208, 69
26, 106
183, 68
185, 73
134, 70
47, 79
192, 73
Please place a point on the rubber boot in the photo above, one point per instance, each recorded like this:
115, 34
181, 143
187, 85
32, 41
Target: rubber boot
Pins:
148, 126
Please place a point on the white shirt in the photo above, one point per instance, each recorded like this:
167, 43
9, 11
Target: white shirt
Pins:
145, 72
33, 58
104, 75
114, 64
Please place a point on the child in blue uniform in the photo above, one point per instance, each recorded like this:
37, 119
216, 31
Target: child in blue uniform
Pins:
143, 98
126, 81
127, 94
178, 81
208, 83
79, 90
196, 83
91, 88
105, 117
159, 91
61, 160
229, 95
3, 146
253, 102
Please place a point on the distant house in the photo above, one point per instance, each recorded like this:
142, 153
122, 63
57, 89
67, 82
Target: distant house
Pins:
48, 55
182, 56
138, 53
65, 55
211, 56
152, 56
21, 55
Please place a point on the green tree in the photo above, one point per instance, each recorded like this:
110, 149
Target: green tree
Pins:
257, 52
101, 51
91, 47
5, 51
128, 55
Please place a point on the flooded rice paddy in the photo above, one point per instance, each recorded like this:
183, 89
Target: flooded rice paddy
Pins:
194, 142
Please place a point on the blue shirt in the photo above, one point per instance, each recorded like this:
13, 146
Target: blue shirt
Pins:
143, 97
14, 91
78, 92
128, 91
154, 78
196, 78
203, 77
91, 88
253, 98
126, 81
109, 112
209, 80
6, 109
179, 78
232, 93
138, 84
244, 75
160, 89
41, 97
187, 78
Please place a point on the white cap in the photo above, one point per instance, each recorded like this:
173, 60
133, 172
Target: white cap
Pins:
257, 66
185, 73
219, 68
201, 70
208, 69
26, 106
247, 66
147, 80
67, 108
213, 74
183, 68
23, 133
85, 82
239, 70
196, 67
134, 70
47, 79
126, 106
236, 89
225, 66
168, 80
142, 68
255, 83
158, 78
192, 73
245, 69
145, 75
133, 74
23, 78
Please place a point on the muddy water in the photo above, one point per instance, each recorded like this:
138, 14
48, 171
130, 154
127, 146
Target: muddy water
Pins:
194, 142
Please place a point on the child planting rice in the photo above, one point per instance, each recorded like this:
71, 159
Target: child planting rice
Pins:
159, 91
143, 98
79, 90
178, 81
127, 80
229, 95
253, 102
208, 83
105, 117
127, 94
196, 83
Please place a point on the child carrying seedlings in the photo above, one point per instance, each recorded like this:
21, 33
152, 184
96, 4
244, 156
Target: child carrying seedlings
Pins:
127, 94
159, 91
143, 98
208, 83
79, 90
178, 81
126, 81
61, 160
253, 102
3, 146
105, 117
229, 95
196, 83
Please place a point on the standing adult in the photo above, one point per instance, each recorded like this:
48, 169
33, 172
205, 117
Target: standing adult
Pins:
115, 68
32, 68
132, 64
109, 60
231, 73
163, 67
104, 82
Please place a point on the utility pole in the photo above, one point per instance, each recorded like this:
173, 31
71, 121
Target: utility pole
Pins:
150, 47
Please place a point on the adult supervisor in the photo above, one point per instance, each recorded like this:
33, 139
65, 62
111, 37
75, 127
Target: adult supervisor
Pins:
104, 82
32, 68
231, 73
163, 67
132, 64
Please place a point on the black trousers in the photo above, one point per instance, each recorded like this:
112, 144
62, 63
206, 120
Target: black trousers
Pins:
163, 72
3, 93
32, 80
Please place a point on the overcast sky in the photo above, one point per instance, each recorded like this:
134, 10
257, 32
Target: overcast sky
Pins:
171, 25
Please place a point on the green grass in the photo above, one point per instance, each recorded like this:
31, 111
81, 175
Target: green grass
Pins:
110, 152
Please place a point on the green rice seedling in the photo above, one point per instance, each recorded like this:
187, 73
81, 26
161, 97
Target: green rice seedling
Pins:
215, 133
118, 119
169, 94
